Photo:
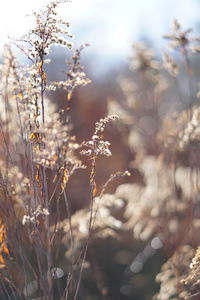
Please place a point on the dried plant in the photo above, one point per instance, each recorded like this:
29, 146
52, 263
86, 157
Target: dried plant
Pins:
162, 209
75, 76
180, 38
39, 157
40, 238
172, 273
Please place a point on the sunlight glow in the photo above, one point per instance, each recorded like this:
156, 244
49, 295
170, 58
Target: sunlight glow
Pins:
109, 26
15, 17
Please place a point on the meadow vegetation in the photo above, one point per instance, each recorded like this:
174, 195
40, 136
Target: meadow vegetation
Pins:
118, 242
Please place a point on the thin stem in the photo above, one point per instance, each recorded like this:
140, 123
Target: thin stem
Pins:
93, 186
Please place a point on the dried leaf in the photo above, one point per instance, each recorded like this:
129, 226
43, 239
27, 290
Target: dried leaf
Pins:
3, 246
65, 179
69, 96
40, 67
34, 136
94, 192
44, 77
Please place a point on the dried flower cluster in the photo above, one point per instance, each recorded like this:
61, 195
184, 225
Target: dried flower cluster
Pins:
49, 30
191, 282
97, 146
39, 155
142, 99
163, 208
172, 273
170, 65
143, 60
157, 203
33, 216
180, 38
75, 76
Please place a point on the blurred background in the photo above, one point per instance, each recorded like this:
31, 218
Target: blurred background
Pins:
110, 27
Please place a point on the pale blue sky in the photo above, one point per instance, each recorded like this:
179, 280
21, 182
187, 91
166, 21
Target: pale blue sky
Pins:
110, 26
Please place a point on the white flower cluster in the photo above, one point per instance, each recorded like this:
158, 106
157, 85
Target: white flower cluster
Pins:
100, 126
48, 31
180, 39
170, 65
97, 146
33, 216
102, 147
143, 58
75, 75
191, 133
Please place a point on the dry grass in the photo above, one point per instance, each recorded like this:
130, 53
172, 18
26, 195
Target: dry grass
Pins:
45, 250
